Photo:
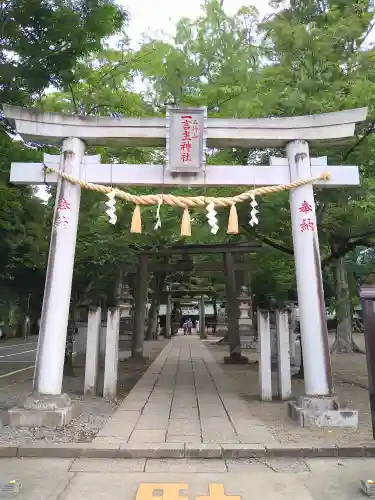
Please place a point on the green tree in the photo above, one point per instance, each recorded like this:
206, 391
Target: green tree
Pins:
320, 62
24, 224
310, 57
211, 61
42, 40
41, 43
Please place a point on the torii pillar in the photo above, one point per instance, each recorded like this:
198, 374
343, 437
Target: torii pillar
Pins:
317, 407
48, 406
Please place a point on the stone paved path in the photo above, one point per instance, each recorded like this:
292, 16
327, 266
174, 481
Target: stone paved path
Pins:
184, 397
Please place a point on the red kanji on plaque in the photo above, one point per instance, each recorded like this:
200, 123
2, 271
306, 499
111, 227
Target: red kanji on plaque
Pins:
63, 204
62, 221
186, 125
185, 145
307, 225
185, 151
305, 208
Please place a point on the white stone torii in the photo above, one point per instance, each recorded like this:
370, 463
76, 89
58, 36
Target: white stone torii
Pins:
73, 132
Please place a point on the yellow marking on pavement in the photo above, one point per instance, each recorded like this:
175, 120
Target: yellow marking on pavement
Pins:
216, 492
172, 491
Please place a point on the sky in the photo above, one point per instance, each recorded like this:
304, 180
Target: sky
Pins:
155, 15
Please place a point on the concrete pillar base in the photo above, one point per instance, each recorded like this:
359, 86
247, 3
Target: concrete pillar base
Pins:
236, 359
321, 412
44, 410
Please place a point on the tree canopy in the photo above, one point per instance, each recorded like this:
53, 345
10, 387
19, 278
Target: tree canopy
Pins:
310, 56
41, 41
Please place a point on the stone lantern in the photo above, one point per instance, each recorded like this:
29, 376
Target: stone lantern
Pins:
222, 320
125, 303
245, 320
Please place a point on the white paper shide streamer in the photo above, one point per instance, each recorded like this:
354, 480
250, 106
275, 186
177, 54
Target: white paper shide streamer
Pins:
158, 219
111, 204
212, 218
253, 213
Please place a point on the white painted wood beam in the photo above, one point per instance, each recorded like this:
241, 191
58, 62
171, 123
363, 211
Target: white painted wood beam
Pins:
52, 128
216, 175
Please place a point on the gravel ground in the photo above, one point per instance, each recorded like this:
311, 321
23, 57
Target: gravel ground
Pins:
350, 375
95, 410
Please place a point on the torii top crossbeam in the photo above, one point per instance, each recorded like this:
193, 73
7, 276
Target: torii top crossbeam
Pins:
51, 128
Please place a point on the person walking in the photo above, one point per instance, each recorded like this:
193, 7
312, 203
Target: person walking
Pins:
189, 326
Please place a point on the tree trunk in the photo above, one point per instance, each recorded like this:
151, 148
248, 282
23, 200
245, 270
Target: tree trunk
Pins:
344, 342
155, 323
152, 320
214, 305
300, 374
254, 313
71, 331
150, 317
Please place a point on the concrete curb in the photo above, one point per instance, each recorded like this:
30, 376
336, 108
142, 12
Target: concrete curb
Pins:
184, 450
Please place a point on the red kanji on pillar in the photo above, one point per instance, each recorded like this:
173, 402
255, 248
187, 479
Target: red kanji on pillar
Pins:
305, 208
63, 204
62, 221
307, 225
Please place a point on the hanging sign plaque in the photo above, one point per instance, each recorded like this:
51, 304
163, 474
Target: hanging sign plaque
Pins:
186, 139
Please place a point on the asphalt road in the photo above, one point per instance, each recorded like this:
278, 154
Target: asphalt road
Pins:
16, 356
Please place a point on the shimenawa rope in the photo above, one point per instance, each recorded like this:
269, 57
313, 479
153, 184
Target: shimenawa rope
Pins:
187, 202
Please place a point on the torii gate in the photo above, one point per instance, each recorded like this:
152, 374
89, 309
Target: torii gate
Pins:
72, 133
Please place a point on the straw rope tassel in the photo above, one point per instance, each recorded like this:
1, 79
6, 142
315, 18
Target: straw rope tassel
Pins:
136, 226
186, 201
186, 223
233, 220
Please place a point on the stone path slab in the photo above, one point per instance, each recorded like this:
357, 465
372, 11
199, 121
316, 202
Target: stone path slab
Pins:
184, 397
202, 486
185, 479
